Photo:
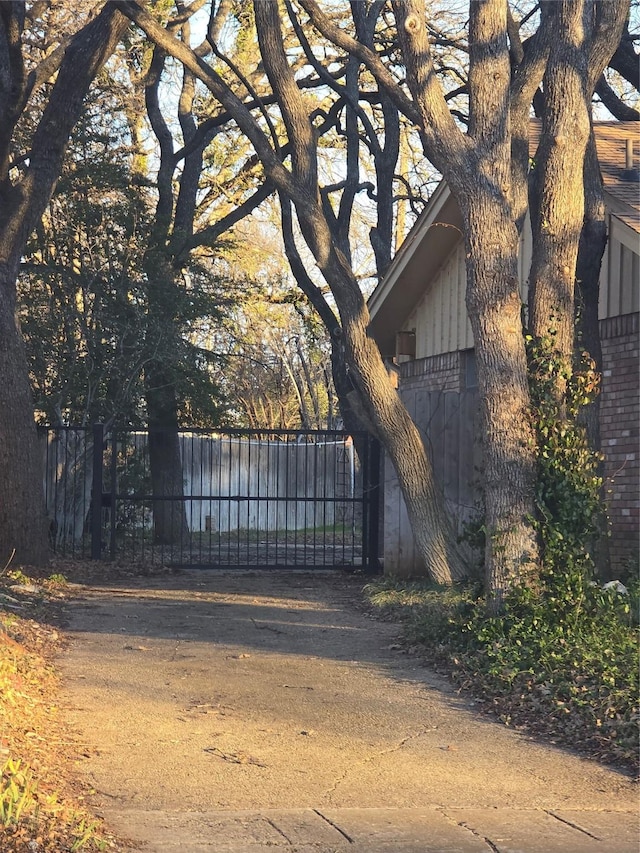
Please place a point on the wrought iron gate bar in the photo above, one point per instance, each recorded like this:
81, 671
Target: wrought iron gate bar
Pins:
134, 496
254, 498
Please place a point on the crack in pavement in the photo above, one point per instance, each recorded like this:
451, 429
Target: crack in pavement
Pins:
334, 825
481, 837
278, 830
475, 833
331, 791
572, 825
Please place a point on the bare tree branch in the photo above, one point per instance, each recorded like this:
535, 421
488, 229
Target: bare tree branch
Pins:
615, 105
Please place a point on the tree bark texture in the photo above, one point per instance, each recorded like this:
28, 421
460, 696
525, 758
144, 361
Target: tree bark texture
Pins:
165, 461
557, 203
23, 522
495, 310
167, 483
583, 36
593, 242
22, 518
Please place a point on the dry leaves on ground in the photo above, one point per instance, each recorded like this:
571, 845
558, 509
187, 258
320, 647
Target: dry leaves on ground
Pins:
41, 808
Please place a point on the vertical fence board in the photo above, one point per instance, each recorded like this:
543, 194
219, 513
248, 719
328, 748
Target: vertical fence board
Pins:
450, 442
468, 467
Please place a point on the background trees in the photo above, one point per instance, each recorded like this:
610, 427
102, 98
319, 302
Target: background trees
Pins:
277, 369
367, 374
247, 100
81, 293
486, 168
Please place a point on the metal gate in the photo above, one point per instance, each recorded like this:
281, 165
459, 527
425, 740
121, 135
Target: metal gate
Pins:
215, 498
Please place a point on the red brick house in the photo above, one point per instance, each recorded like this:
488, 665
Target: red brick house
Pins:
419, 319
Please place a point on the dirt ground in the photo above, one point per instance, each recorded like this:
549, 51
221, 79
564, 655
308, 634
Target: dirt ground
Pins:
245, 690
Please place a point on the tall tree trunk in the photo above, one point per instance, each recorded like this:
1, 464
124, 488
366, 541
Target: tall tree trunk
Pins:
390, 421
167, 479
582, 39
494, 307
593, 242
478, 169
23, 522
167, 475
557, 200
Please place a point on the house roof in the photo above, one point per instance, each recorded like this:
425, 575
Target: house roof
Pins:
611, 140
437, 231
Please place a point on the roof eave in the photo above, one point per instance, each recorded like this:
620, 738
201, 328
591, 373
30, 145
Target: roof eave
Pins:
429, 243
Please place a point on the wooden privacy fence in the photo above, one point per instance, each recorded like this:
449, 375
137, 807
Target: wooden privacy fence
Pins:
266, 484
449, 422
243, 497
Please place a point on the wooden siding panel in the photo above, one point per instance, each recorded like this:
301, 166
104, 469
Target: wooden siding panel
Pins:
605, 277
468, 476
440, 319
441, 337
451, 307
441, 314
435, 429
454, 338
619, 281
461, 287
626, 280
399, 545
461, 319
407, 558
392, 507
613, 297
428, 308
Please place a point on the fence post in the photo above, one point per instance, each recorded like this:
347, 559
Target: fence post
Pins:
96, 493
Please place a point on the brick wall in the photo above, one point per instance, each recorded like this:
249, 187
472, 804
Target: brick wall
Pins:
620, 434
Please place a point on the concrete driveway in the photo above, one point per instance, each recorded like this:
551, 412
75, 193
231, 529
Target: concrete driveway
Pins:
244, 711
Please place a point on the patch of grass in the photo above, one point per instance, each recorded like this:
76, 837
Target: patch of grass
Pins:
567, 669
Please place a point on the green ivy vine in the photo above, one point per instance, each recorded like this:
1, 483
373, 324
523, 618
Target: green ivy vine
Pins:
568, 496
